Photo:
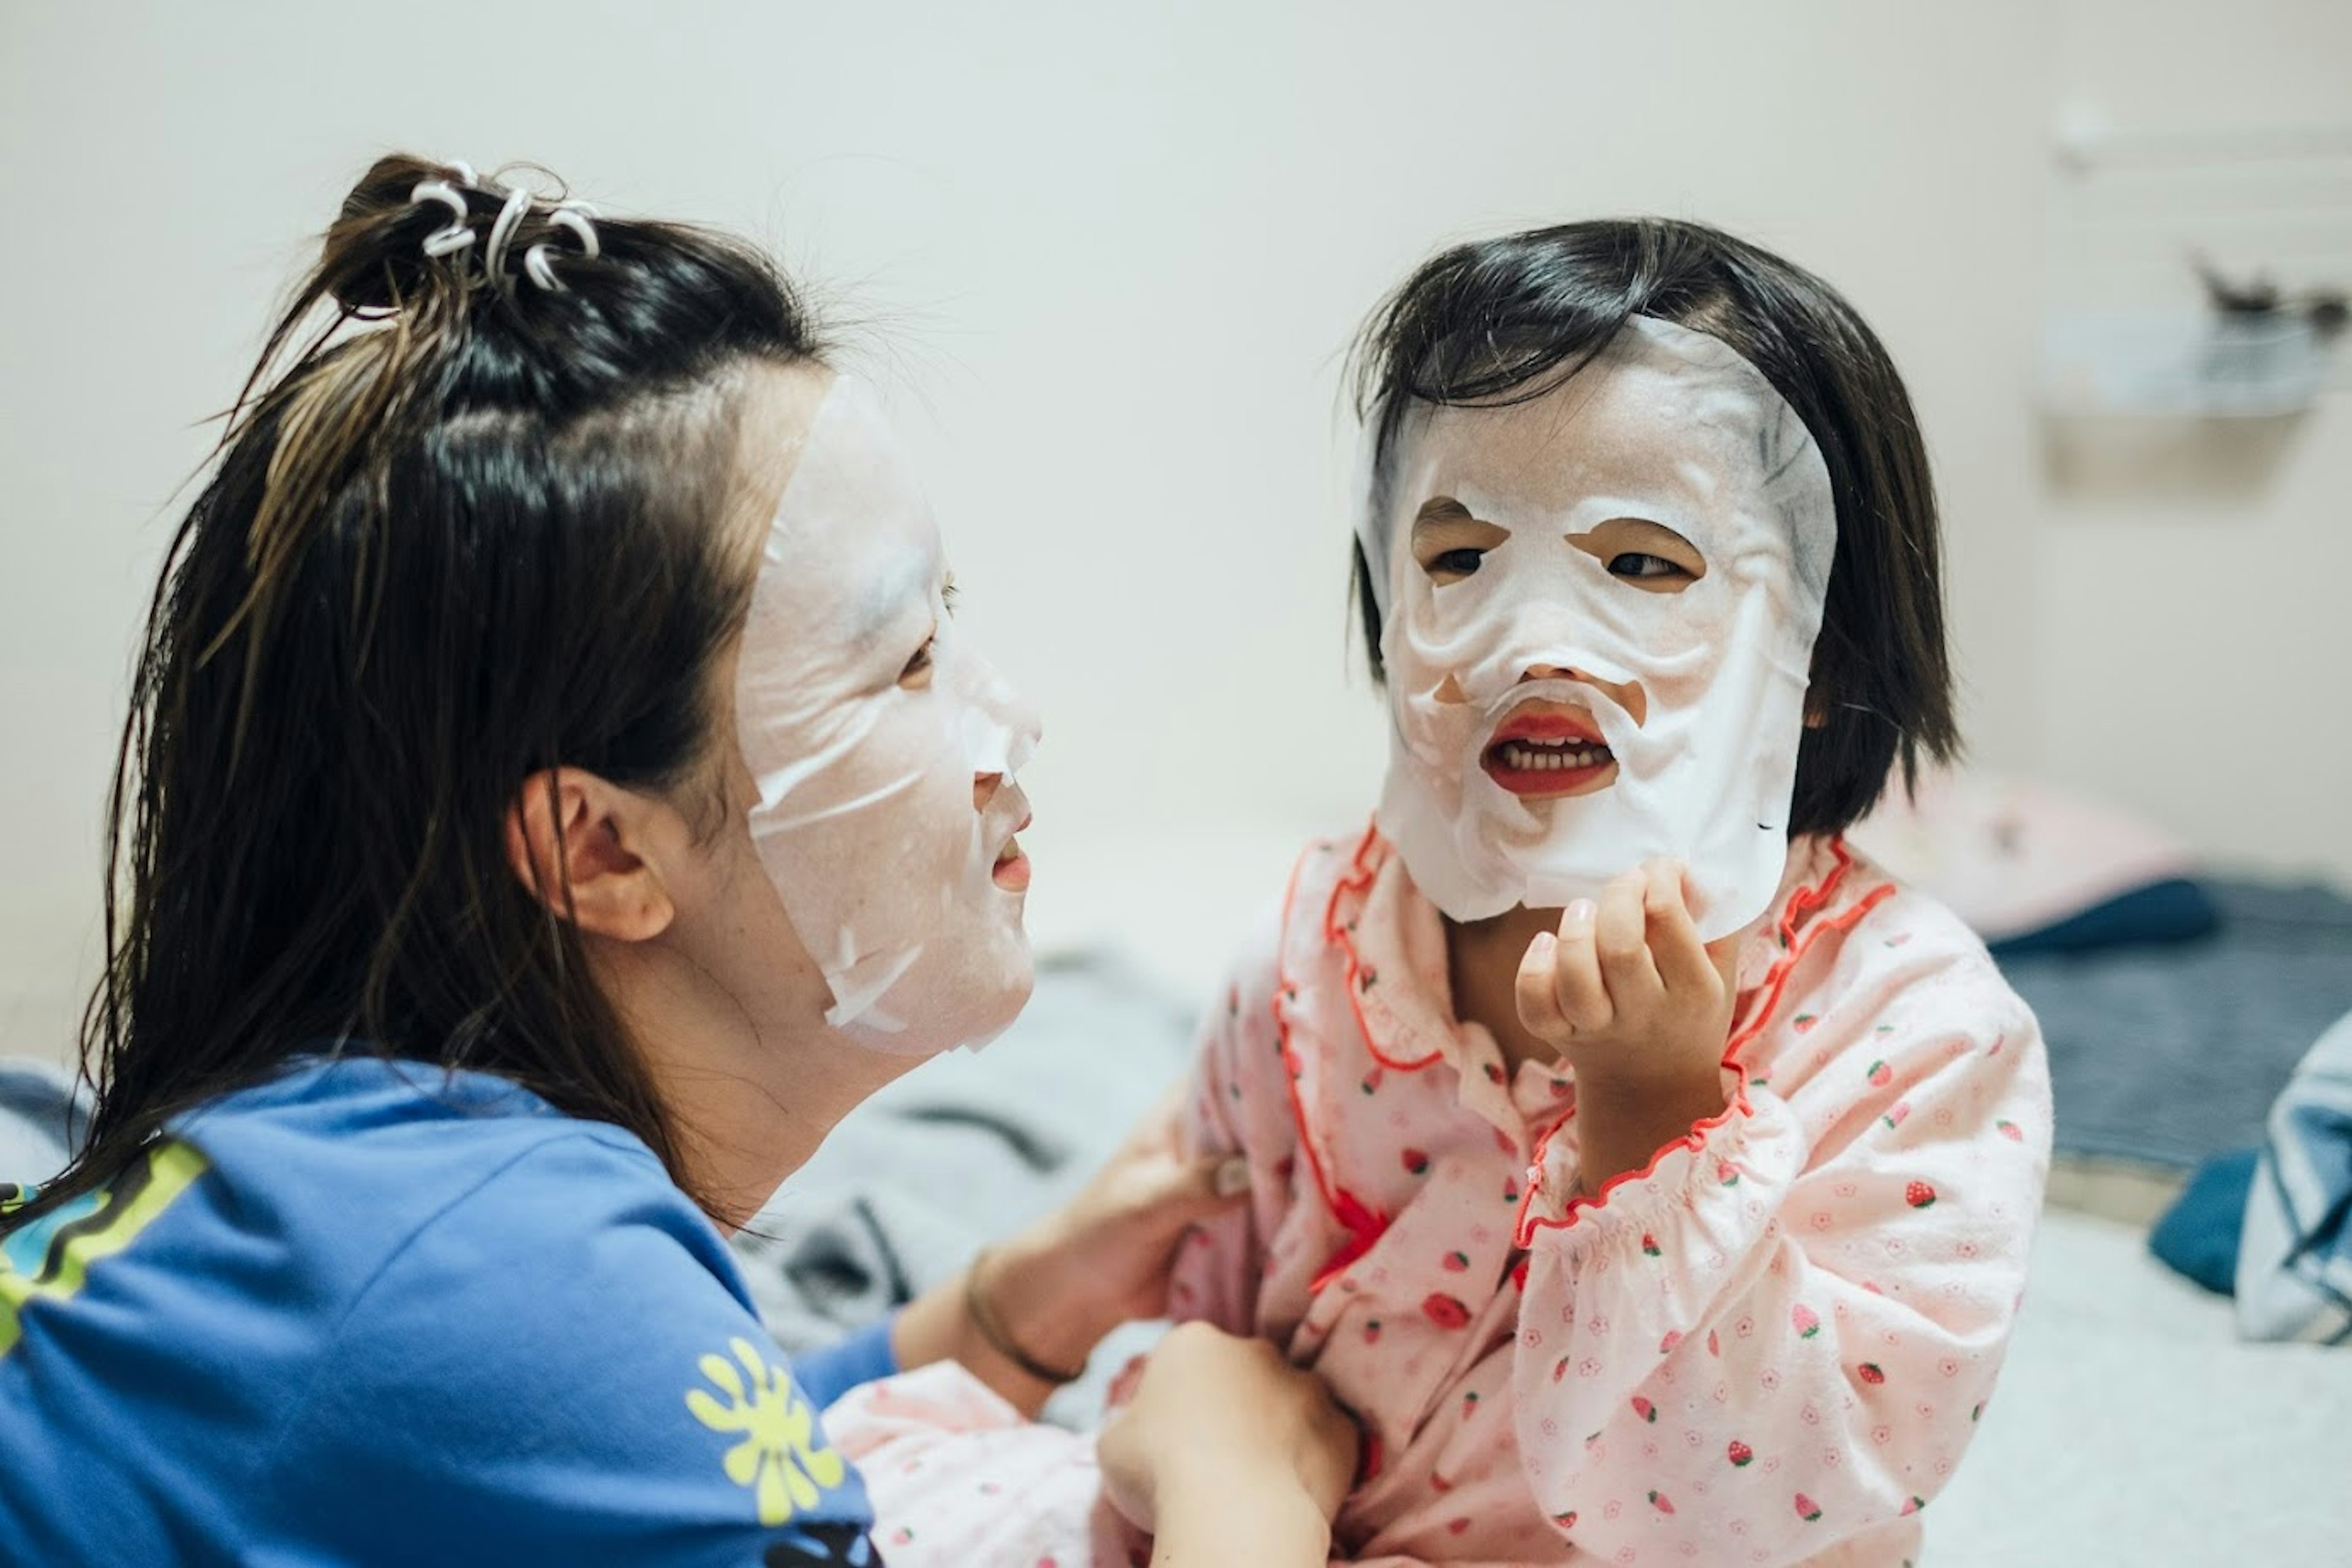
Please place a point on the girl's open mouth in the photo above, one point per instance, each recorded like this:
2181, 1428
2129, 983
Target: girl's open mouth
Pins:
1012, 870
1544, 751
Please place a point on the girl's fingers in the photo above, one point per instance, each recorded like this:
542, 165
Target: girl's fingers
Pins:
1622, 938
1576, 981
1683, 963
1539, 1003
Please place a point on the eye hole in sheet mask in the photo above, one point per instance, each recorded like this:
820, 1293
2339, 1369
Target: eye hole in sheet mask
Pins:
1449, 542
1599, 632
1647, 555
917, 676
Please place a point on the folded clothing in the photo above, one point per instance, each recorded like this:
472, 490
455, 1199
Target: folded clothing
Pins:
2173, 909
2294, 1260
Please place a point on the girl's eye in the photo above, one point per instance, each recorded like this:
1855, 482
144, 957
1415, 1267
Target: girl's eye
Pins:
918, 672
1452, 566
1633, 563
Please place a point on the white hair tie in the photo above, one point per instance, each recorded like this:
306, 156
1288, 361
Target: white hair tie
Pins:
509, 218
538, 261
456, 235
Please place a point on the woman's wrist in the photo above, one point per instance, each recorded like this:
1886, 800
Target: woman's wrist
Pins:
1030, 1312
980, 1291
1036, 1286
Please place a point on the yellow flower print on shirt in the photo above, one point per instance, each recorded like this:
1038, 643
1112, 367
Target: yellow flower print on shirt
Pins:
780, 1456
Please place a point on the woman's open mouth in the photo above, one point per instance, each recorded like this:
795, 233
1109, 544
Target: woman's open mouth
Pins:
1543, 751
1012, 870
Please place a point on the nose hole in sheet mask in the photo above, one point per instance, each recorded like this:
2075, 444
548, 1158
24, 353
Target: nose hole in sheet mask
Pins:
1627, 695
983, 789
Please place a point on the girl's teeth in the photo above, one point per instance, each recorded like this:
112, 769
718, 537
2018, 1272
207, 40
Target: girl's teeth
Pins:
1558, 758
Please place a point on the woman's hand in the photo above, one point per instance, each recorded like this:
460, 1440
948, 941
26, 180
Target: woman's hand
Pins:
1100, 1260
1229, 1454
1642, 1010
1103, 1258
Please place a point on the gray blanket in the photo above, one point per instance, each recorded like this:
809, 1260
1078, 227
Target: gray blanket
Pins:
963, 1150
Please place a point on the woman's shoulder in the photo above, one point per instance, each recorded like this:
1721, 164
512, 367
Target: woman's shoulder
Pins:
346, 1158
365, 1282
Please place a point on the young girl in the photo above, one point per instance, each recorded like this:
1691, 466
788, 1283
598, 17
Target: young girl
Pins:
1652, 1176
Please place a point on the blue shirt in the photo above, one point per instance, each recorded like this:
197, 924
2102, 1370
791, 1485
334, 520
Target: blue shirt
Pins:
373, 1312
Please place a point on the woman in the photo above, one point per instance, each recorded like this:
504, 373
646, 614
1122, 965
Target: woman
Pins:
553, 796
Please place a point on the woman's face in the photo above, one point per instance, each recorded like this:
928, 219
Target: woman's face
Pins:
876, 748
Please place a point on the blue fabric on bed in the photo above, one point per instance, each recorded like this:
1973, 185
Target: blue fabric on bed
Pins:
2199, 1235
2170, 1054
2173, 909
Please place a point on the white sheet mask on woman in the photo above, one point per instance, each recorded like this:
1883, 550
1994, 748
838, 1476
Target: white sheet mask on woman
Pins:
1505, 674
866, 821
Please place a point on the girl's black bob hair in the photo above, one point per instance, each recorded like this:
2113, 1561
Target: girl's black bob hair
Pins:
1497, 322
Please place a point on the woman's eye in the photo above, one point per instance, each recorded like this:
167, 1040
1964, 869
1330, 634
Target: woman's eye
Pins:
919, 668
1450, 566
1633, 563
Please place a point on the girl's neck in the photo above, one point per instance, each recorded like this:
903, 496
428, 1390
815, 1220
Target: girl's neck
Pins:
1482, 961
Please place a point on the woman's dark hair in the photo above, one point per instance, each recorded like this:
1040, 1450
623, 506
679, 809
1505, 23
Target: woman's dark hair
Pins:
465, 524
1506, 321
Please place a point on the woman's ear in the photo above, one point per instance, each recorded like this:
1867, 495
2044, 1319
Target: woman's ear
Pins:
573, 840
1817, 709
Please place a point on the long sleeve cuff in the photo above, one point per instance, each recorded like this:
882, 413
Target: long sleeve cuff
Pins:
864, 1356
1728, 1171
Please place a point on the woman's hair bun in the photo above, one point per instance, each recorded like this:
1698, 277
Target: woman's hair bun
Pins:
377, 255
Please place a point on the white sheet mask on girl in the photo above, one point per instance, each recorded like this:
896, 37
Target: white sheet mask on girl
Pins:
1599, 611
875, 819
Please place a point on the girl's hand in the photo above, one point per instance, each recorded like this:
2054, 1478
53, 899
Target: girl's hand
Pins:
1229, 1454
1642, 1010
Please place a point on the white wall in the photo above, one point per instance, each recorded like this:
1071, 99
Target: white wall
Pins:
1116, 252
2192, 586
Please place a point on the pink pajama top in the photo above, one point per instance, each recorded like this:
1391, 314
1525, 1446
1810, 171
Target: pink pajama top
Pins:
1770, 1346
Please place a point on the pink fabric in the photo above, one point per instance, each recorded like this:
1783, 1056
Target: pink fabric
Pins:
957, 1478
1769, 1347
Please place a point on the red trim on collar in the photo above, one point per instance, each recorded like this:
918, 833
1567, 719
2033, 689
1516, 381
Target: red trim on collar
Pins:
1799, 932
1341, 935
1363, 1224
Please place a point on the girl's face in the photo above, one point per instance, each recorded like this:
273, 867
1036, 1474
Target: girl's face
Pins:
878, 749
1600, 610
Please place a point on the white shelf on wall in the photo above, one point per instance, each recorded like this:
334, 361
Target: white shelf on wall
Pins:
2184, 363
2127, 329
